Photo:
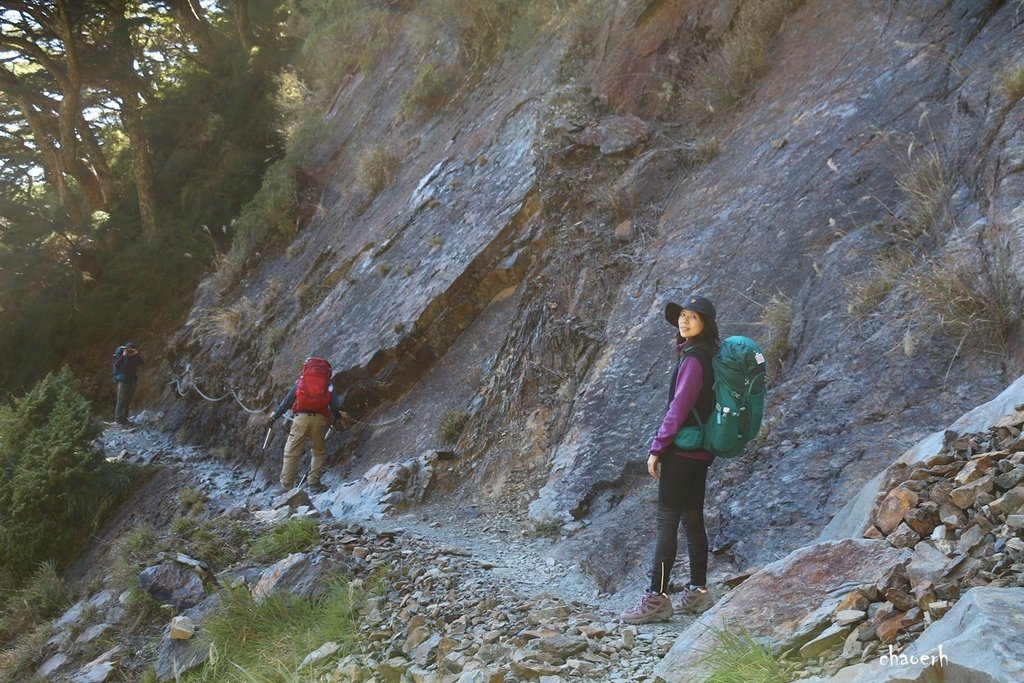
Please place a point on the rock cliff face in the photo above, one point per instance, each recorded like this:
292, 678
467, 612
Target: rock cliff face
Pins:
517, 268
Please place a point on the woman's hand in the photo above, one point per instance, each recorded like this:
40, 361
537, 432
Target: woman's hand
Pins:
653, 465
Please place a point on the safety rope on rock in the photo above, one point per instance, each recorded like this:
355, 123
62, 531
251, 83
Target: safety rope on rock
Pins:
190, 385
404, 414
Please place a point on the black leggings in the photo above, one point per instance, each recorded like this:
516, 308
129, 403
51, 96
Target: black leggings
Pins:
680, 491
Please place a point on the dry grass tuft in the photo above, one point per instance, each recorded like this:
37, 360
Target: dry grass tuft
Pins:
432, 88
1011, 82
733, 66
377, 168
777, 319
968, 303
228, 321
887, 268
926, 188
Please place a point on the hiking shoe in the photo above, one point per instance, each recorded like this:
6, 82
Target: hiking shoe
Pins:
650, 607
694, 599
317, 488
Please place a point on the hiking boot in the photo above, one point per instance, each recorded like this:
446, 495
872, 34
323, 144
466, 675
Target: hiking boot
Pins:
694, 600
651, 607
317, 488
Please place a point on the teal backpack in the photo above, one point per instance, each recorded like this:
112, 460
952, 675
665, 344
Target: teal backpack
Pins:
739, 391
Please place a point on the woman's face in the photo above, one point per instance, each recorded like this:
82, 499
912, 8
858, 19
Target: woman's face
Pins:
690, 324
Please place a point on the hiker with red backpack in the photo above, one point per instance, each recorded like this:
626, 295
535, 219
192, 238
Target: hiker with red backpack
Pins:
716, 400
315, 406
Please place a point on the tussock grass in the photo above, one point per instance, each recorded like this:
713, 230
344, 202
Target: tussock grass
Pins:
777, 319
127, 555
1010, 82
452, 424
18, 657
42, 596
926, 188
740, 58
432, 88
266, 640
704, 149
294, 535
737, 657
377, 167
888, 267
274, 336
980, 304
545, 528
217, 542
191, 500
227, 321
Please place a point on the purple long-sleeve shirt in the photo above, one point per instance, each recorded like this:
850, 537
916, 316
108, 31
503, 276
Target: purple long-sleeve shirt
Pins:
689, 380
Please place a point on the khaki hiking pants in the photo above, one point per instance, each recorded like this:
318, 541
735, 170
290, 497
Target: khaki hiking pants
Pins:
304, 425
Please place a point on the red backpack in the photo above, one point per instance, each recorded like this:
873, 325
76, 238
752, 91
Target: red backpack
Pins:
313, 393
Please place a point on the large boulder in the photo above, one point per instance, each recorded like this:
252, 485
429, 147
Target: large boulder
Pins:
299, 573
172, 584
973, 643
800, 589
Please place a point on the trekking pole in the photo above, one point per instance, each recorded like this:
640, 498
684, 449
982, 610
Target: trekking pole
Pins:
306, 473
259, 461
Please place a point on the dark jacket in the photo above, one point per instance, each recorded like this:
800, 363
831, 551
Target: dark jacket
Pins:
126, 368
689, 388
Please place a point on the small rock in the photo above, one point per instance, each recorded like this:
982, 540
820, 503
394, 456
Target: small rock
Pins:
849, 616
319, 654
294, 498
829, 638
629, 636
182, 628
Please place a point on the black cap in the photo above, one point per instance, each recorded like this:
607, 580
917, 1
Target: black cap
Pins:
694, 303
129, 345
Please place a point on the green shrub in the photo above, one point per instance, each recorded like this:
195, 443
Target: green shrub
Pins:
452, 424
340, 37
294, 535
55, 487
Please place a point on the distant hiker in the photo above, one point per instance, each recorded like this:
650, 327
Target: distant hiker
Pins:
127, 361
682, 471
315, 405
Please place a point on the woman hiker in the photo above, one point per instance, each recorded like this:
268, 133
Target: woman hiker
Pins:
682, 474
